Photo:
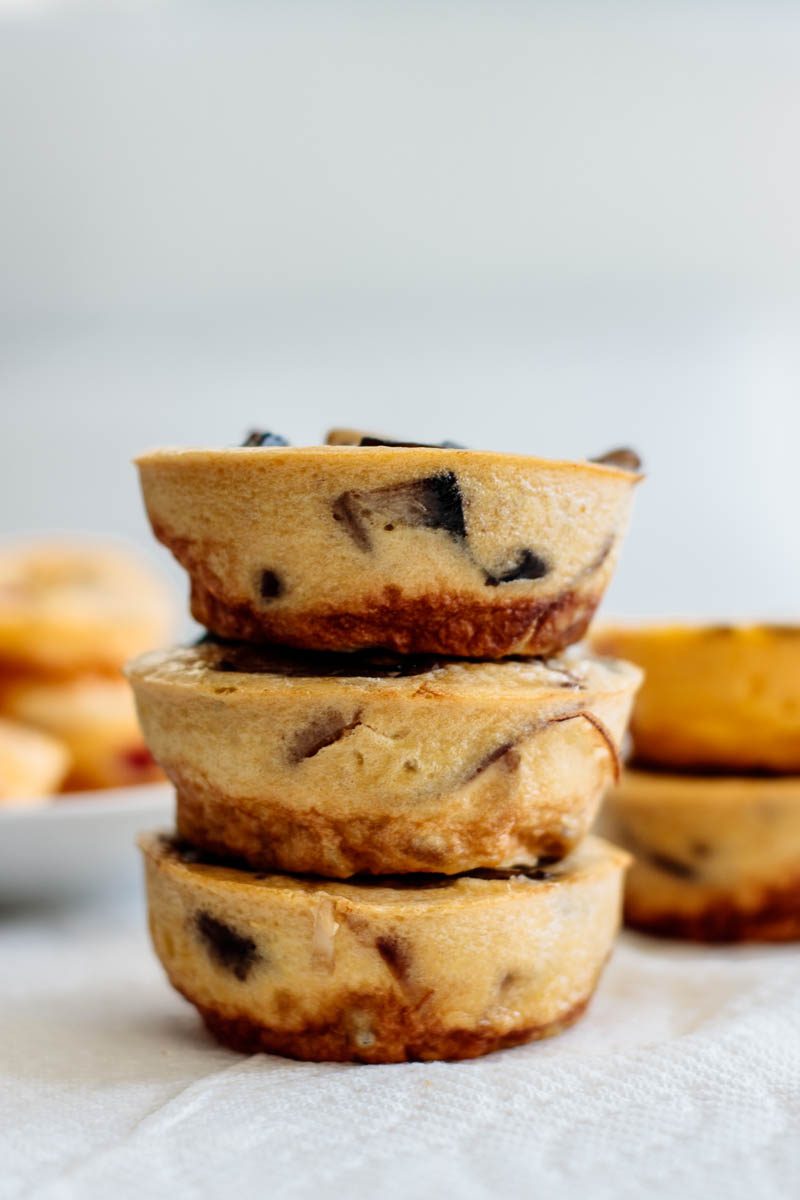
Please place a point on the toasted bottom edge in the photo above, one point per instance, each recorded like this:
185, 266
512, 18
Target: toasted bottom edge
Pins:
432, 624
403, 1037
722, 921
343, 848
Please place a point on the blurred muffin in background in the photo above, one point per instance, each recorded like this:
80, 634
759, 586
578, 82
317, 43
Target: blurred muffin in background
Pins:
70, 606
32, 764
94, 718
71, 613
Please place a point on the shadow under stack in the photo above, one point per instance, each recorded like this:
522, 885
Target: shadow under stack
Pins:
386, 758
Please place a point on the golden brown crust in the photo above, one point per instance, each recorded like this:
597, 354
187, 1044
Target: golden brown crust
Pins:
274, 839
775, 919
405, 1035
435, 624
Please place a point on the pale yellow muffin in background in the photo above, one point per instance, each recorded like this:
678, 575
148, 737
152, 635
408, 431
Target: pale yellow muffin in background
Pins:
72, 611
95, 718
722, 696
32, 764
399, 968
717, 858
451, 551
337, 764
74, 605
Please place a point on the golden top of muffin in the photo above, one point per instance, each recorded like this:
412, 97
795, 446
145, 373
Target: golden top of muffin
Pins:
677, 636
249, 671
594, 857
375, 461
725, 696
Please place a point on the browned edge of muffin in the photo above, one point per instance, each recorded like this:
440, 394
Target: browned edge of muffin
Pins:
443, 623
274, 839
775, 919
404, 1033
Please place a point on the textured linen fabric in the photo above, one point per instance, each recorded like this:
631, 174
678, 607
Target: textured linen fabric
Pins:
683, 1080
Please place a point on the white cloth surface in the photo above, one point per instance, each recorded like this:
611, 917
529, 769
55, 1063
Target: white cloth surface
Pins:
683, 1080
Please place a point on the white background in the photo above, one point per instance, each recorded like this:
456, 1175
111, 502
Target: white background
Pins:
544, 227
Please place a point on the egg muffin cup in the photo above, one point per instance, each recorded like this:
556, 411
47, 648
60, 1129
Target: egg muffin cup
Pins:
340, 764
32, 764
93, 718
725, 697
396, 969
716, 858
416, 549
72, 607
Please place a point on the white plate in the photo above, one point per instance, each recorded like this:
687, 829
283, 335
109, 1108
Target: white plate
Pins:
75, 846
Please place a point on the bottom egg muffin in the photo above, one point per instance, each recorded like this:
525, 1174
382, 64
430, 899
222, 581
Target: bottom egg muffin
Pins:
390, 969
717, 858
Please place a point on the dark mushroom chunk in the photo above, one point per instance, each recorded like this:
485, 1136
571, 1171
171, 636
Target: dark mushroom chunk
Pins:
230, 950
504, 751
527, 565
670, 865
270, 585
328, 726
396, 954
354, 437
434, 502
258, 437
622, 457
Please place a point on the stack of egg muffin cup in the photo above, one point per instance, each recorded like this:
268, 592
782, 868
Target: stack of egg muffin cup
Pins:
386, 757
710, 806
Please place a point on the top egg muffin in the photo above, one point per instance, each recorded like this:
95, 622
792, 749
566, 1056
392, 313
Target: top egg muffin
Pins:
412, 548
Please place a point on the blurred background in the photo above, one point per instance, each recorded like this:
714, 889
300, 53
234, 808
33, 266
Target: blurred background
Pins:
546, 227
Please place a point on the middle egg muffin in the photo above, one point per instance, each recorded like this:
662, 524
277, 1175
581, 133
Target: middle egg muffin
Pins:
337, 764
